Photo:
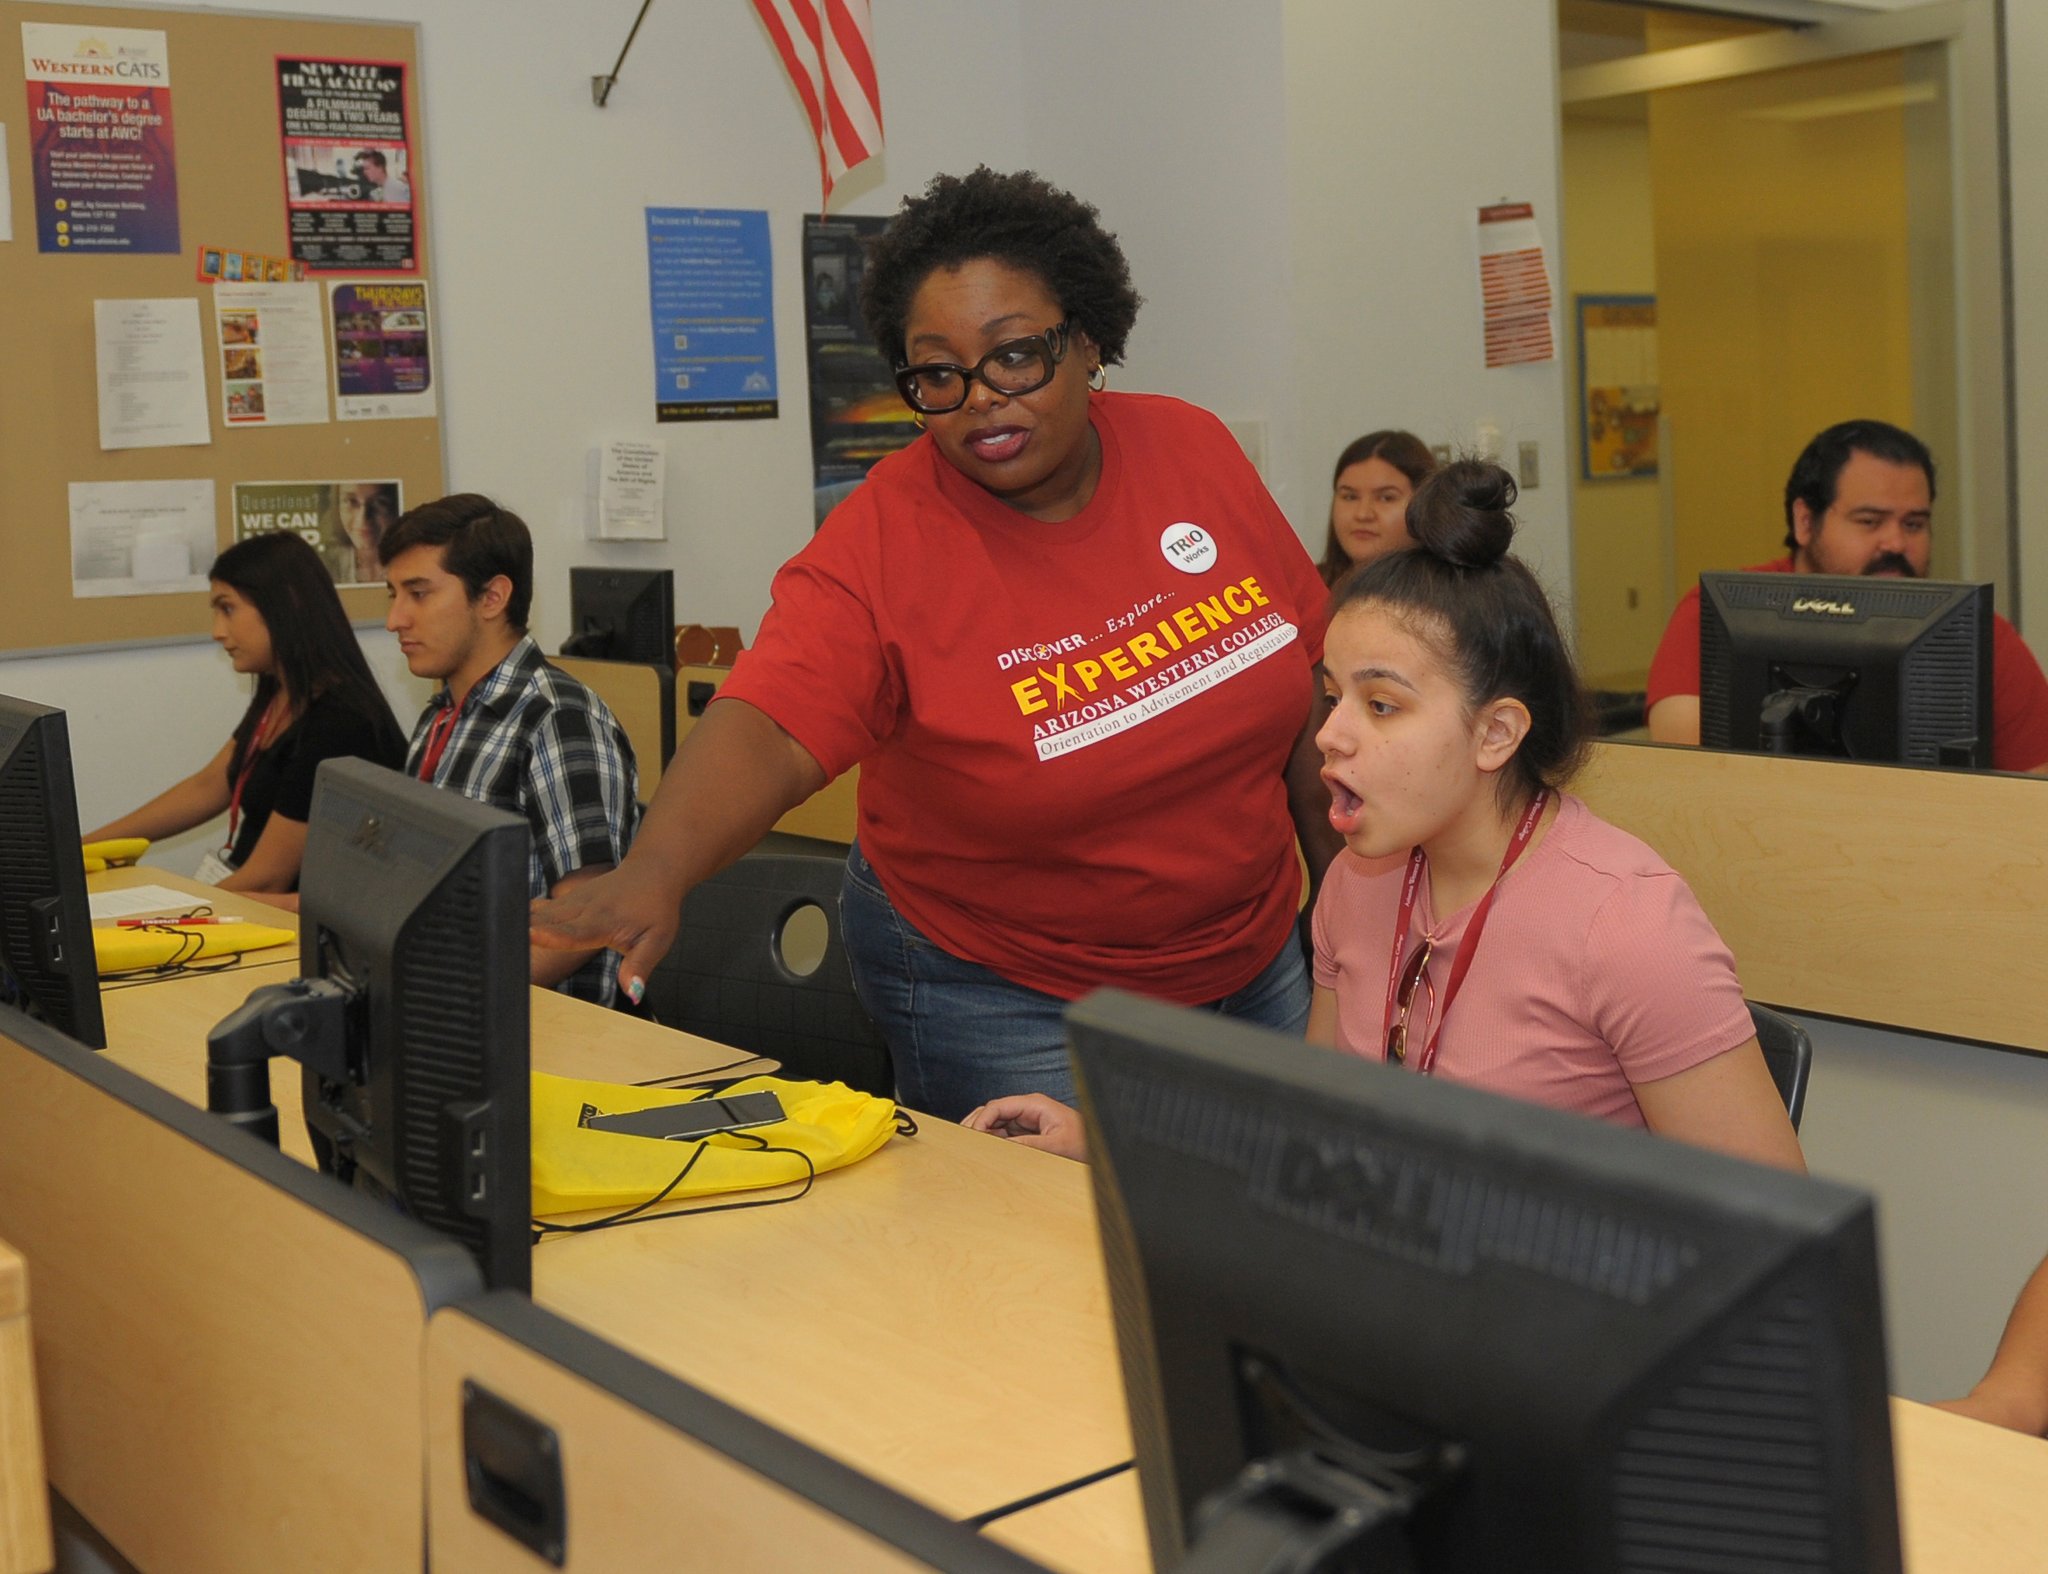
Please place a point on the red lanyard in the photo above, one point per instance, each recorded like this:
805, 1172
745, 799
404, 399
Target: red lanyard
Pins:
438, 733
1409, 886
242, 776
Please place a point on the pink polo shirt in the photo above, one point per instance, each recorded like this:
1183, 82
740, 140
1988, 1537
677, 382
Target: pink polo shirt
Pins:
1597, 970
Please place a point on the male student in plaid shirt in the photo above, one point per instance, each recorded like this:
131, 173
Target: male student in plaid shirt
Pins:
505, 727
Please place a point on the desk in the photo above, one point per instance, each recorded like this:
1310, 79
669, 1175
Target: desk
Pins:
24, 1494
1972, 1500
942, 1259
935, 1316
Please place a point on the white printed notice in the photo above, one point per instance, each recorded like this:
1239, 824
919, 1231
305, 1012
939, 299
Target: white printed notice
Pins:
625, 492
273, 354
1514, 286
152, 373
140, 538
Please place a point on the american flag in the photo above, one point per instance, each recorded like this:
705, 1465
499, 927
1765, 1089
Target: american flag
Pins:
827, 47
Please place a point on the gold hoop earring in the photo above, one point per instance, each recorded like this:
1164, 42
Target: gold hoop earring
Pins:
917, 419
1098, 379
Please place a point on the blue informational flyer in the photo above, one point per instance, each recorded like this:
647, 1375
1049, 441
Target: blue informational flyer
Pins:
711, 285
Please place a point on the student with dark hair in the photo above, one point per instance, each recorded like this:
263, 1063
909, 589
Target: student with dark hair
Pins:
1483, 925
1067, 636
505, 727
1369, 491
1860, 500
276, 614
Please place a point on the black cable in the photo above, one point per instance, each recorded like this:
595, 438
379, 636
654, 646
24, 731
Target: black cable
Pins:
703, 1073
542, 1230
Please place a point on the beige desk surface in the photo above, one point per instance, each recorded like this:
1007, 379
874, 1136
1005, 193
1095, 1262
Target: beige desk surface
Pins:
935, 1316
1972, 1500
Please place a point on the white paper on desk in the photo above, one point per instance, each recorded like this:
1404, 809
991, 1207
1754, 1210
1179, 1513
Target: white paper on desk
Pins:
6, 191
141, 538
152, 373
626, 492
137, 900
273, 354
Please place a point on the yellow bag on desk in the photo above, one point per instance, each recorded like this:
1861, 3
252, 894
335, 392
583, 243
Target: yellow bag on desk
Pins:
129, 950
116, 853
576, 1168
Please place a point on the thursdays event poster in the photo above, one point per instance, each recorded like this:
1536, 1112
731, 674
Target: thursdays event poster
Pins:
348, 174
99, 113
382, 369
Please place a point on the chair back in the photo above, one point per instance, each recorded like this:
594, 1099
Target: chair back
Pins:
1788, 1051
729, 976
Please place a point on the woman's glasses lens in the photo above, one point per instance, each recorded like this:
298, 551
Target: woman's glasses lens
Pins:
1019, 366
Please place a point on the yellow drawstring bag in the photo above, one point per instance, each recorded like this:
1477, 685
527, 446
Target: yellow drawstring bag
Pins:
114, 854
576, 1168
128, 950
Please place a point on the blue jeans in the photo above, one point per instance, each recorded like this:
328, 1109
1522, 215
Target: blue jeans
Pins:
961, 1035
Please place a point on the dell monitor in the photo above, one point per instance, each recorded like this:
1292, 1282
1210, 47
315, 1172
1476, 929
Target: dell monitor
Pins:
47, 968
1891, 670
410, 1014
1383, 1322
623, 614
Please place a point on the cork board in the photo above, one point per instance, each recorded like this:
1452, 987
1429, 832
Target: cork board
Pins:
231, 194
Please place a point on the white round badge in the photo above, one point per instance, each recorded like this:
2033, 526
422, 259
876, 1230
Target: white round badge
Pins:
1189, 548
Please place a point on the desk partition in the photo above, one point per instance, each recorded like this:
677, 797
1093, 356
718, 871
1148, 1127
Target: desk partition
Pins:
644, 700
825, 816
1907, 898
545, 1442
227, 1344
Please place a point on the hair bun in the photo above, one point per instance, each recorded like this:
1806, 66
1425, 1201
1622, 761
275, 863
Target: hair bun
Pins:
1460, 514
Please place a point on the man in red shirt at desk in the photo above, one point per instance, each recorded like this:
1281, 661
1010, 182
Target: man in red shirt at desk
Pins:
1860, 500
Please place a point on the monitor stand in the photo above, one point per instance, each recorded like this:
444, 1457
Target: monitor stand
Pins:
1804, 718
1333, 1503
305, 1019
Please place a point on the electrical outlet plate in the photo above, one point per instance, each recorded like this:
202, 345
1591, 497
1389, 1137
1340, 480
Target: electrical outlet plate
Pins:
1529, 474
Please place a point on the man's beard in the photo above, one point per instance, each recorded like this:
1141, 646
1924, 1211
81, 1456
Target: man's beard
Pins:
1891, 563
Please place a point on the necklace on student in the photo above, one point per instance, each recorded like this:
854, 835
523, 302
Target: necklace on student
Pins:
1403, 981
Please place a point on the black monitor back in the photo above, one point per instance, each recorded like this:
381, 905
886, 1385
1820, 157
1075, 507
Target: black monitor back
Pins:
47, 967
1913, 657
1655, 1358
623, 614
416, 898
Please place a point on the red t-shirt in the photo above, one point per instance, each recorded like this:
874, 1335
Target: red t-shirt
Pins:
2019, 693
1071, 736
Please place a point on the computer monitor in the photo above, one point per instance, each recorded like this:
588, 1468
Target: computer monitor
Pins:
1497, 1336
623, 614
1895, 670
410, 1014
47, 968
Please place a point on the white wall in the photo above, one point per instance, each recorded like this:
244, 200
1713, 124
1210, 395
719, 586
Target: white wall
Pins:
2026, 67
1402, 121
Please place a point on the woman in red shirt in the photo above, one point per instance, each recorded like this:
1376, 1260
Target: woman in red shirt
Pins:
1067, 636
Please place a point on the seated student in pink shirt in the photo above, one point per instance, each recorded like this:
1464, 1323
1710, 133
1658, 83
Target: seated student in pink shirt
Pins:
1484, 926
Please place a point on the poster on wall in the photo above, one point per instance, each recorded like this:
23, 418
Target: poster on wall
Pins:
99, 120
348, 176
857, 416
1619, 395
140, 538
383, 368
341, 520
711, 292
1514, 286
273, 354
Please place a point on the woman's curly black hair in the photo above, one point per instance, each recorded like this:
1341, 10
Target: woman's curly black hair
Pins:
1019, 219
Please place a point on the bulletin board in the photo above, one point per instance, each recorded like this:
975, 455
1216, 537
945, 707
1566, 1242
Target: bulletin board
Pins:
231, 177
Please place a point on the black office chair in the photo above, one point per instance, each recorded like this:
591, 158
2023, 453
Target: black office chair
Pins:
1788, 1051
729, 977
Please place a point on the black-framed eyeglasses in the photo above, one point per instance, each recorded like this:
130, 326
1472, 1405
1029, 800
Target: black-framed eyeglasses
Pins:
1416, 972
1016, 366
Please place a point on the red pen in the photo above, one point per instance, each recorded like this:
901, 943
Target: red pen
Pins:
173, 923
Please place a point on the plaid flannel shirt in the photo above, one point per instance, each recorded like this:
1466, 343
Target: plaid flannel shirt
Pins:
533, 741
